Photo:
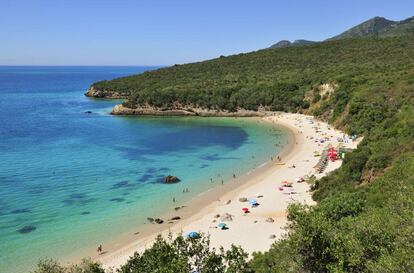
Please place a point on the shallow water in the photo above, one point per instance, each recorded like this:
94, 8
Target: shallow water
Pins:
69, 179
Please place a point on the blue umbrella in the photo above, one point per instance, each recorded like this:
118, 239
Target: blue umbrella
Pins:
253, 202
193, 235
222, 225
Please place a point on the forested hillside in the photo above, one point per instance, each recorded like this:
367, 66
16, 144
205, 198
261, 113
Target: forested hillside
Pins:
277, 78
364, 219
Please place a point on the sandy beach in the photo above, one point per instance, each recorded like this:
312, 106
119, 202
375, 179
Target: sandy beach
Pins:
257, 230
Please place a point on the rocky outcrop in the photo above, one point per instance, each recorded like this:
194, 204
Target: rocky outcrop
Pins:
149, 111
153, 111
156, 220
95, 93
170, 179
159, 221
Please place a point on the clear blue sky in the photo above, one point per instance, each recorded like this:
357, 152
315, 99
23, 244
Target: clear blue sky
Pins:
163, 32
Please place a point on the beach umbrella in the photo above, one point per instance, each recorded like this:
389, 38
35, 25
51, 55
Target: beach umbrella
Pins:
246, 210
222, 225
193, 235
280, 188
253, 202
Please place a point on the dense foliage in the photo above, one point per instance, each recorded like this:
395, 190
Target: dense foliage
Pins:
179, 255
187, 255
51, 266
364, 220
278, 79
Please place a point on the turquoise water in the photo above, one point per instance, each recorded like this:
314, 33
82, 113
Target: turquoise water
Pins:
69, 179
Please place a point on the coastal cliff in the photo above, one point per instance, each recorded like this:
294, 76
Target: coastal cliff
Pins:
154, 111
105, 94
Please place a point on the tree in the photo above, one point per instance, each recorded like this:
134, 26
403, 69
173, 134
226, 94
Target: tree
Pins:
183, 255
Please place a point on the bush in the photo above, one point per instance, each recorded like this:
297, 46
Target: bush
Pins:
187, 255
51, 266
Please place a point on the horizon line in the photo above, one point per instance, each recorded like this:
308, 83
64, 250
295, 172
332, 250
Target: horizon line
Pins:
82, 65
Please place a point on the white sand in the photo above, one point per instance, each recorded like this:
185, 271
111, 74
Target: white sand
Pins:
251, 231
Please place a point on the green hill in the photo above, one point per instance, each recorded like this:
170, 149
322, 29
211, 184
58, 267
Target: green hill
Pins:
364, 219
276, 79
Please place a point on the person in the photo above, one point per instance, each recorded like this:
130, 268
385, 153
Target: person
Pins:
222, 182
234, 176
99, 249
173, 199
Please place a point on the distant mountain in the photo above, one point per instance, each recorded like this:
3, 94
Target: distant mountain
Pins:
367, 28
377, 26
286, 43
399, 28
280, 44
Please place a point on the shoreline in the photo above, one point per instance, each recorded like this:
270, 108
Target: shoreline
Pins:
200, 202
199, 211
121, 110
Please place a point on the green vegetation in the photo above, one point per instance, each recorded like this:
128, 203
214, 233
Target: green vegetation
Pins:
181, 255
364, 220
51, 266
277, 79
187, 255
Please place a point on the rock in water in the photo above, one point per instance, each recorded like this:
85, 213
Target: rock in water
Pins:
26, 229
178, 208
159, 221
169, 179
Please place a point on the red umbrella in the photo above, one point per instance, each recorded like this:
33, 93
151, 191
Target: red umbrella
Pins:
246, 210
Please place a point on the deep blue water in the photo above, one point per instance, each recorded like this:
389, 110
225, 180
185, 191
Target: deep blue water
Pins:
69, 179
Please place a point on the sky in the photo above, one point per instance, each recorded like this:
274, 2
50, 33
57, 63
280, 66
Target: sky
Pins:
166, 32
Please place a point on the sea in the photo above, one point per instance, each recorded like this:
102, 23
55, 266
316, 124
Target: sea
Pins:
69, 179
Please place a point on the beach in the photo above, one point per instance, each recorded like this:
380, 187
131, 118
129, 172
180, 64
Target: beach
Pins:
265, 222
